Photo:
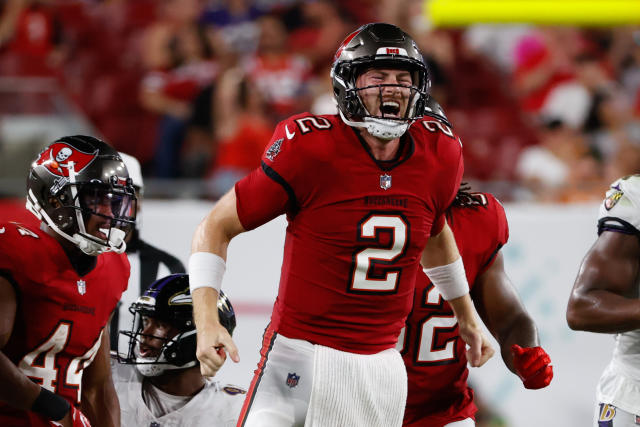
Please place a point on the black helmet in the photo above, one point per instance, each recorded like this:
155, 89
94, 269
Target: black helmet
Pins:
169, 299
377, 45
67, 183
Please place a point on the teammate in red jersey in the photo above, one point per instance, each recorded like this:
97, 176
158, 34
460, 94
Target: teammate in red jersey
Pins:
59, 284
365, 194
434, 356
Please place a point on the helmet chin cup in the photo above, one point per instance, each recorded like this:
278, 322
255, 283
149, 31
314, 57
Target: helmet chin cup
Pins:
88, 246
385, 129
150, 366
116, 239
380, 128
114, 244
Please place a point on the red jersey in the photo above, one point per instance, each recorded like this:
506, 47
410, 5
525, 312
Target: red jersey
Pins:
60, 315
356, 226
432, 351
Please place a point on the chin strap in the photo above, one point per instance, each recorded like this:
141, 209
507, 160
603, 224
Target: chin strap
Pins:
380, 128
115, 243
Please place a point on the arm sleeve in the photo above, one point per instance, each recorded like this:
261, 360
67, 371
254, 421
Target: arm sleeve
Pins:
259, 199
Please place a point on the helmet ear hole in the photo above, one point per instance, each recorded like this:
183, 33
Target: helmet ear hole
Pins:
352, 104
64, 222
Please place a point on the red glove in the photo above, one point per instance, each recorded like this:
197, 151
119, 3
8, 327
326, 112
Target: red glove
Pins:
77, 419
533, 366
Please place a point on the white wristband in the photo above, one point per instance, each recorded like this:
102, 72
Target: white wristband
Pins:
450, 279
205, 271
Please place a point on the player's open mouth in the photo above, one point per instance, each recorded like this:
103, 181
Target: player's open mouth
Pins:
390, 109
146, 351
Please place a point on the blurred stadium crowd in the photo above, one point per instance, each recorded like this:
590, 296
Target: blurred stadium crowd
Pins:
193, 88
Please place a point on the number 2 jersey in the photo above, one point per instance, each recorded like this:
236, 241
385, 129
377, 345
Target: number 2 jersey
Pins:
432, 350
60, 315
619, 384
356, 226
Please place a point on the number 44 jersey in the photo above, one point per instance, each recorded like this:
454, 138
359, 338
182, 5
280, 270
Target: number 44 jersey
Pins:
60, 315
356, 226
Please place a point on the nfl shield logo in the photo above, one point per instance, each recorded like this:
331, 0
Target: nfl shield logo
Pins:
292, 380
385, 181
82, 287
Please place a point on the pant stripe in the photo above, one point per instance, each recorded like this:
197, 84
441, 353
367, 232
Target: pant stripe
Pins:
268, 339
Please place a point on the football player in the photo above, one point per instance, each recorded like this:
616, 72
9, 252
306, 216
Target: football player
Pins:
433, 353
605, 299
59, 284
365, 193
166, 387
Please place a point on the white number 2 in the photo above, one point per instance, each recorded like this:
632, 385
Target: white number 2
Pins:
361, 278
40, 364
428, 352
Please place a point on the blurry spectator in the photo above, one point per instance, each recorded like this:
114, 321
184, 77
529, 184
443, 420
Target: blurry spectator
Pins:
173, 16
323, 28
544, 77
561, 168
617, 137
324, 102
170, 94
280, 76
234, 21
496, 42
241, 132
33, 35
439, 53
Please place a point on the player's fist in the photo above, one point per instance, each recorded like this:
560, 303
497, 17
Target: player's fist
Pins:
74, 418
214, 342
533, 366
480, 350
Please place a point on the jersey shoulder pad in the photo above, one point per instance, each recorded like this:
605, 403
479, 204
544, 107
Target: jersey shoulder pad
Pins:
305, 126
17, 238
300, 135
486, 213
621, 206
22, 246
430, 130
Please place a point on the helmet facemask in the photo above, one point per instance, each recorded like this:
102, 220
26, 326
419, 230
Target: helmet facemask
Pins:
71, 208
175, 352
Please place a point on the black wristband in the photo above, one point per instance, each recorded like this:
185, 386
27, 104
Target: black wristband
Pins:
50, 405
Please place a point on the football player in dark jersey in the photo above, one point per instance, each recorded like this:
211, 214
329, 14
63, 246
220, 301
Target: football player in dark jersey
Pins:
59, 284
433, 354
365, 193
